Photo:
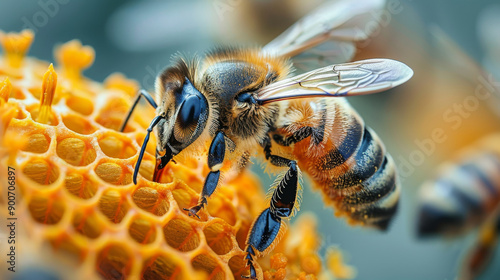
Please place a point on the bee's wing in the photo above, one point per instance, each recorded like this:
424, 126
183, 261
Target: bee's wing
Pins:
328, 53
355, 78
343, 21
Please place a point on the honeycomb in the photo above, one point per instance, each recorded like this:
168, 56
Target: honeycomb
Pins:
76, 203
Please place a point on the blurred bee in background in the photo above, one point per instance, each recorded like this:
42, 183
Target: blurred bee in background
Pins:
466, 193
465, 196
244, 100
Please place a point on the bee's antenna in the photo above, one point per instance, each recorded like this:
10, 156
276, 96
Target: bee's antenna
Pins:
154, 122
148, 97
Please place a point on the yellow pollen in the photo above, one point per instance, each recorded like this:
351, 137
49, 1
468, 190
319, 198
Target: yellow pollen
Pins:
16, 45
5, 90
48, 90
74, 58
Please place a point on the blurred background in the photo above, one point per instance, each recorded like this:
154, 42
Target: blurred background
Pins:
138, 38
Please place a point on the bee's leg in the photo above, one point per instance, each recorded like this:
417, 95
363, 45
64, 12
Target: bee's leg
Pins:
299, 135
142, 93
215, 158
267, 227
317, 134
273, 159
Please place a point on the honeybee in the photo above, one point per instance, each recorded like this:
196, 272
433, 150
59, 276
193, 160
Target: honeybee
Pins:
245, 100
464, 196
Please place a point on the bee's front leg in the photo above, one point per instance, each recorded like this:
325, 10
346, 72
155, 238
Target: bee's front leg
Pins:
266, 229
216, 155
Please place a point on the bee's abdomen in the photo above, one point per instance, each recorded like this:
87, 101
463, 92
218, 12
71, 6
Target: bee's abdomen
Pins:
462, 197
369, 156
367, 191
353, 171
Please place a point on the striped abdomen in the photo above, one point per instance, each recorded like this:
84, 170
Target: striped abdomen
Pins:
346, 160
462, 197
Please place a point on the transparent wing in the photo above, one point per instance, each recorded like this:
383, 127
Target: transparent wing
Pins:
355, 78
328, 53
341, 20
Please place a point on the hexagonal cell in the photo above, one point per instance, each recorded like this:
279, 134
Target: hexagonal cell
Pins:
151, 200
151, 146
115, 147
75, 151
86, 223
242, 234
163, 267
80, 105
142, 230
186, 198
41, 171
113, 173
180, 235
80, 186
46, 210
114, 206
113, 114
65, 245
188, 175
78, 124
34, 110
218, 236
37, 143
237, 266
147, 169
222, 209
114, 262
206, 263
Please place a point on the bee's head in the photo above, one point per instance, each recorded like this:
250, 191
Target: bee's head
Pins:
185, 111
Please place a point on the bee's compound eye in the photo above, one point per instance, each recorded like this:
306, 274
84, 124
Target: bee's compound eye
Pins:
190, 111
